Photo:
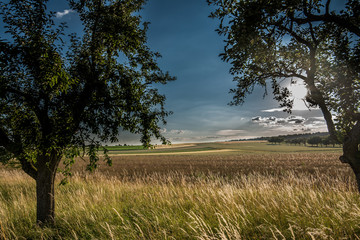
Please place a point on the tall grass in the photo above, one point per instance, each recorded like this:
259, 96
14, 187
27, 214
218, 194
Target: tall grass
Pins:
178, 206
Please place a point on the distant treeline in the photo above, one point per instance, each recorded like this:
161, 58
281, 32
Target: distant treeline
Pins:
286, 137
313, 139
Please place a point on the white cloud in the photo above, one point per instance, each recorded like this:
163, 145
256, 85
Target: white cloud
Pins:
274, 120
318, 122
65, 12
229, 132
295, 119
298, 92
317, 118
273, 110
290, 124
176, 131
298, 95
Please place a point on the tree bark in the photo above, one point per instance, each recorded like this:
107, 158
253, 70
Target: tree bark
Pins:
355, 166
45, 207
351, 153
357, 176
45, 195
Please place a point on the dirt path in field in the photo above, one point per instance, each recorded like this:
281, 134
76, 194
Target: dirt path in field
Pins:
176, 153
174, 146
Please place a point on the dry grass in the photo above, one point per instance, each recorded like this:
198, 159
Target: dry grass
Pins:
233, 196
226, 165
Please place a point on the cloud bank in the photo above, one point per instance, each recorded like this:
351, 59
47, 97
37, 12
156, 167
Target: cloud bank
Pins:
291, 123
65, 12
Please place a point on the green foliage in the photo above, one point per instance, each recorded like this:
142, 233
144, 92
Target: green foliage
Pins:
328, 141
314, 140
296, 141
55, 104
124, 148
269, 41
276, 140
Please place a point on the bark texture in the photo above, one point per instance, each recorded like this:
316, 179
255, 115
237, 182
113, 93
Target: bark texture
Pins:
45, 194
351, 154
45, 213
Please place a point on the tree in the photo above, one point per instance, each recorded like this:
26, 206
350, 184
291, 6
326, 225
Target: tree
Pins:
280, 139
302, 141
326, 141
60, 100
314, 141
296, 141
300, 40
276, 140
272, 140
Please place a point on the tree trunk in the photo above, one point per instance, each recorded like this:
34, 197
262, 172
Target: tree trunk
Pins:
351, 155
45, 208
356, 170
357, 175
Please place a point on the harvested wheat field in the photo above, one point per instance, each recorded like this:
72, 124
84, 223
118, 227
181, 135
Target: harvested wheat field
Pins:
274, 192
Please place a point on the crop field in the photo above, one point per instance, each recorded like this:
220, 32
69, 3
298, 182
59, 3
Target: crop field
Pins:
223, 158
231, 190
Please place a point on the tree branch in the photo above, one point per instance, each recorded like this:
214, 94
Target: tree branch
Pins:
28, 168
290, 75
296, 36
16, 149
313, 34
318, 97
327, 5
329, 18
32, 102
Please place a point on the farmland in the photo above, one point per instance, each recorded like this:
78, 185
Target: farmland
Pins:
224, 158
232, 190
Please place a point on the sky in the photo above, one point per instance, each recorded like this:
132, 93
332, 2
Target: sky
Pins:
185, 37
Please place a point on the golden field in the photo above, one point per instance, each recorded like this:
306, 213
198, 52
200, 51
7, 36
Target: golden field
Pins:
250, 191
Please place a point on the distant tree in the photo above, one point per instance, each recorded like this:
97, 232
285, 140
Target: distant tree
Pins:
333, 142
296, 141
272, 140
326, 141
299, 40
302, 141
314, 141
54, 106
280, 139
276, 140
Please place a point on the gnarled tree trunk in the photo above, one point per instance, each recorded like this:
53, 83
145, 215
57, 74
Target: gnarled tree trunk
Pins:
45, 207
45, 194
351, 154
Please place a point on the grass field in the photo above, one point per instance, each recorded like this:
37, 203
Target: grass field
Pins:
124, 148
243, 147
235, 190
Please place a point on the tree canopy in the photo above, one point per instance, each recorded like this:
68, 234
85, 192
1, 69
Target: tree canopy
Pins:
300, 40
276, 140
62, 95
314, 140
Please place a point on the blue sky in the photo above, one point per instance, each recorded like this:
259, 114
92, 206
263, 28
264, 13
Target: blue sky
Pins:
185, 36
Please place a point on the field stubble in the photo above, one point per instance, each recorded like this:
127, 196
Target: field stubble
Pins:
224, 164
225, 196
